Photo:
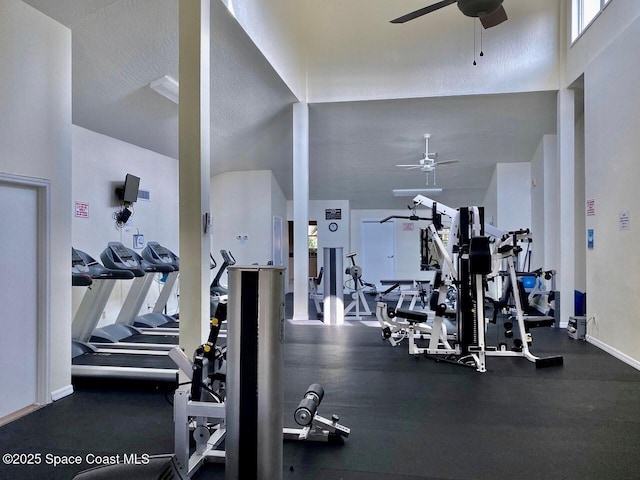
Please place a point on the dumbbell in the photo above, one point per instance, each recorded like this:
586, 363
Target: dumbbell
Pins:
309, 405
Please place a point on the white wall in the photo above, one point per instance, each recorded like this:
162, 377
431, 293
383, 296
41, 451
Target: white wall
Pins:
328, 51
612, 170
490, 202
348, 59
35, 141
508, 200
99, 164
544, 212
275, 28
514, 195
244, 203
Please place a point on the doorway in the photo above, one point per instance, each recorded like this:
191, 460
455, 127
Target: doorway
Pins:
312, 241
24, 294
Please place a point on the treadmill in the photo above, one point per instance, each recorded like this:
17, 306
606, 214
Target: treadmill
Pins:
156, 254
91, 361
122, 333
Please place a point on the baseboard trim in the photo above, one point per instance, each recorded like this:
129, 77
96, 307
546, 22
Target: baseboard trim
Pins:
20, 413
612, 351
61, 392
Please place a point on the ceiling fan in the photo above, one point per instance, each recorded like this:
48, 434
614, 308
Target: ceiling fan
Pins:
428, 163
490, 12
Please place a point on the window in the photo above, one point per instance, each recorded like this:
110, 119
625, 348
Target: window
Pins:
583, 12
313, 239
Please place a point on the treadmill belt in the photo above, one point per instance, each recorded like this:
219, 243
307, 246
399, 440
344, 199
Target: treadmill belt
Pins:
142, 338
125, 360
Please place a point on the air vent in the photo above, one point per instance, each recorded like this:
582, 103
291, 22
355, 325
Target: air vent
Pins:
144, 195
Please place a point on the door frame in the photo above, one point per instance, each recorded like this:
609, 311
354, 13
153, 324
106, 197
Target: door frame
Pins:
43, 320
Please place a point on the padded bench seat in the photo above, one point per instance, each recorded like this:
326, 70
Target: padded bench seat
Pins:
412, 316
399, 282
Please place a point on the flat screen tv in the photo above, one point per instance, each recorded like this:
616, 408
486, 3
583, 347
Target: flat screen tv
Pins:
131, 185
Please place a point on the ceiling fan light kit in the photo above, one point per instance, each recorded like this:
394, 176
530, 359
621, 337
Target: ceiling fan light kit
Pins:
412, 192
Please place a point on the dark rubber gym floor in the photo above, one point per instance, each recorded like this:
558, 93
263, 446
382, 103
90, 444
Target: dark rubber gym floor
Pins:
410, 418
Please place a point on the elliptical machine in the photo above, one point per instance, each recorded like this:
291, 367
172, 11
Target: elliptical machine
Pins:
215, 288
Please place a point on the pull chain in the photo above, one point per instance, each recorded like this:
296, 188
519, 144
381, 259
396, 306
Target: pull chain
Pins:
474, 42
481, 52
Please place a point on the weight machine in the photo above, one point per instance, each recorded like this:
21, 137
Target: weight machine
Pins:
228, 396
467, 261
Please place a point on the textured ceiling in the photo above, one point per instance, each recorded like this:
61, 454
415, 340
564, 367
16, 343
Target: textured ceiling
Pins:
120, 46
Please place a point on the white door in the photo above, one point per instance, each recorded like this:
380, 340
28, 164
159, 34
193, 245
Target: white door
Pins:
378, 251
18, 297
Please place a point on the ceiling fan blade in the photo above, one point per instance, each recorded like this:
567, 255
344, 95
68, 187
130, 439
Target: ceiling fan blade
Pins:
413, 167
495, 18
410, 165
423, 11
447, 162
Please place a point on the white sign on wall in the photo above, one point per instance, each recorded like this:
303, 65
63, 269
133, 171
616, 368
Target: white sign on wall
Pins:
623, 220
82, 209
591, 207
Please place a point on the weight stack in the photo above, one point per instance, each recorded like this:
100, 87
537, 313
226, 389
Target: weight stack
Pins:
255, 335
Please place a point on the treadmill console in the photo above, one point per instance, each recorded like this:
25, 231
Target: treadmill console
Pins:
160, 252
122, 255
156, 253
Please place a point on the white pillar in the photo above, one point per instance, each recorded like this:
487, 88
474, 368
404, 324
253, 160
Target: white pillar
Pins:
194, 170
567, 210
300, 211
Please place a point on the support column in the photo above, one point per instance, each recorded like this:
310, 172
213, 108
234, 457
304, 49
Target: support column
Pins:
300, 211
567, 211
194, 170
